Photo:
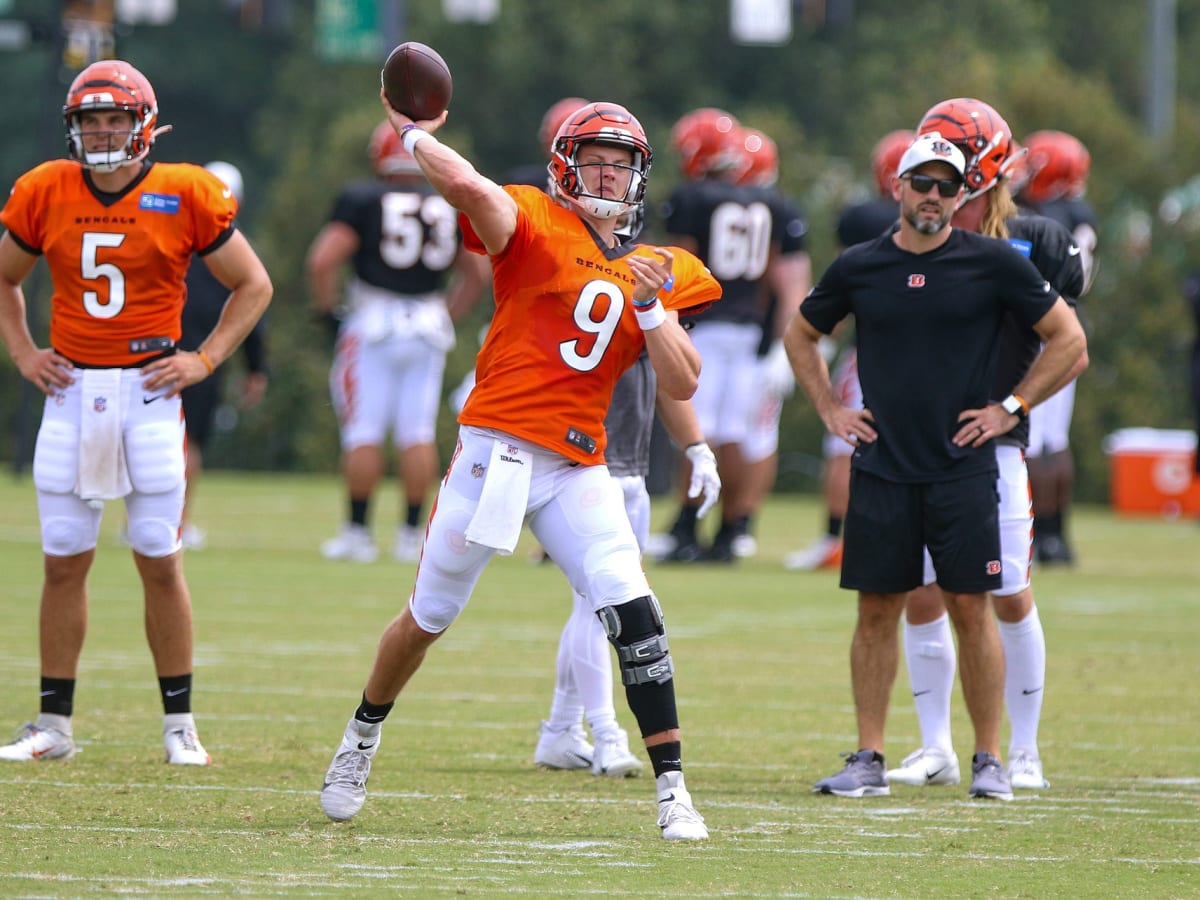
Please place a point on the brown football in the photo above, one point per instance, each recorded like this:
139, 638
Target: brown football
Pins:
417, 81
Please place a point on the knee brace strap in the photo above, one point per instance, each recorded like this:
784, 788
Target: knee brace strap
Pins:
636, 630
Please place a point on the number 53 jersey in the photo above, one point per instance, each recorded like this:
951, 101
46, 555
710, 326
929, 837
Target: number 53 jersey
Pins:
117, 261
564, 330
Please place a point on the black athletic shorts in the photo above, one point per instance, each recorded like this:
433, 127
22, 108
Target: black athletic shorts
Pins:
199, 408
889, 523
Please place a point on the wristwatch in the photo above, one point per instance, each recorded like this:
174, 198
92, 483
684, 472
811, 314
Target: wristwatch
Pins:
1015, 405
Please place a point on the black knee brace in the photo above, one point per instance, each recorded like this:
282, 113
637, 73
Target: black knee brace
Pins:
636, 630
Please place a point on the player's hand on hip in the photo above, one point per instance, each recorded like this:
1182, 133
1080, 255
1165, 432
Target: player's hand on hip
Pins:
852, 425
48, 371
978, 426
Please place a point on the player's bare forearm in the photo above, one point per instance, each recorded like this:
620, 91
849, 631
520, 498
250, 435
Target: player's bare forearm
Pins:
1064, 351
679, 419
674, 357
801, 341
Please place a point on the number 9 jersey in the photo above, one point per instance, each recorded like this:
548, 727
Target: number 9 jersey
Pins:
118, 261
563, 331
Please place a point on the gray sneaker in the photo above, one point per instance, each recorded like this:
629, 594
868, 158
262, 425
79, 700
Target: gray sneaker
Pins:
865, 775
345, 787
989, 780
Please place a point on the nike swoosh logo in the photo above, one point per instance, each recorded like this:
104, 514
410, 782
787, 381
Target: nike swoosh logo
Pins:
362, 746
934, 774
670, 798
152, 399
367, 718
1074, 251
176, 692
48, 693
1027, 692
922, 693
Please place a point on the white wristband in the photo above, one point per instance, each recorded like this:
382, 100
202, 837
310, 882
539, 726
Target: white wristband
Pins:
651, 317
413, 136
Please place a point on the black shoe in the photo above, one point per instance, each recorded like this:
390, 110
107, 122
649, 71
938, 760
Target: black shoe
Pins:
1052, 550
720, 552
684, 553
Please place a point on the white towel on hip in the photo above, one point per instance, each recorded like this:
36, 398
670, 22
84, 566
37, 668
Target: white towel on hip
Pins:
504, 499
103, 474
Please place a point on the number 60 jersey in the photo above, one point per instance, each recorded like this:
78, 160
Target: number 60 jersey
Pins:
564, 331
118, 261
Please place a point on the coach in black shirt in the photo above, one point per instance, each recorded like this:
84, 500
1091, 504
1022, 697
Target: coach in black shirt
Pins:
928, 303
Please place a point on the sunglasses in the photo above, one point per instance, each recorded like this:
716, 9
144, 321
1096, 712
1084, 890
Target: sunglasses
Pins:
923, 184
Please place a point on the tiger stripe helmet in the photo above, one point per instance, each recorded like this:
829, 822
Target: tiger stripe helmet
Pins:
980, 133
1058, 165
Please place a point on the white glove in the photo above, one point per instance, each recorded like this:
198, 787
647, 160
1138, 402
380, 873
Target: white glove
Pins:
777, 377
705, 479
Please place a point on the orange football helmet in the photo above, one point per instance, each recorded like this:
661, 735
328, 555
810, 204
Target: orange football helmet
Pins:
980, 133
760, 159
112, 84
388, 156
599, 123
1058, 164
885, 157
553, 119
707, 142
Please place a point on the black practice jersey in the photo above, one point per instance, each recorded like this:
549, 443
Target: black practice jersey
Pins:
1068, 212
867, 221
1053, 252
408, 236
736, 230
927, 328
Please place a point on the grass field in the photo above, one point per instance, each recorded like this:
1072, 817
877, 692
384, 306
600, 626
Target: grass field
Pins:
456, 808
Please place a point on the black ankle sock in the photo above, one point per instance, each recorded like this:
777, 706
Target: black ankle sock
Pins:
58, 696
358, 511
834, 528
176, 693
666, 757
685, 524
372, 714
413, 515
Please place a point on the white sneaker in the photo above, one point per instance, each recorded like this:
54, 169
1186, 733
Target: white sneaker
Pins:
744, 546
1025, 771
193, 538
408, 544
677, 817
567, 749
181, 743
926, 766
612, 757
33, 743
823, 553
345, 787
353, 544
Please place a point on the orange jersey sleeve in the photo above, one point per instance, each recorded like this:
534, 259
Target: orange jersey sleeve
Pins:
563, 331
117, 261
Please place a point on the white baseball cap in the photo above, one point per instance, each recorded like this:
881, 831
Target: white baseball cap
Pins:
931, 147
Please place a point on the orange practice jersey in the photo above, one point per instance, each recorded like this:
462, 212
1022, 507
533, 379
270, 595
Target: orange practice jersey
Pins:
117, 261
564, 330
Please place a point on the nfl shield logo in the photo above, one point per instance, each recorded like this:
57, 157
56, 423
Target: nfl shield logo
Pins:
477, 470
100, 404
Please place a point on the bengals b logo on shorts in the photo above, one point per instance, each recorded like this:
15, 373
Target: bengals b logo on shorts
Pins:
993, 567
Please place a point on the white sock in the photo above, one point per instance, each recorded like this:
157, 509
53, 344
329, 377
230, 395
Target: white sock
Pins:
931, 657
171, 721
52, 722
1024, 678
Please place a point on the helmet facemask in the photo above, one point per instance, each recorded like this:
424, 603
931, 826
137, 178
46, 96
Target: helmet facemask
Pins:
112, 85
605, 125
119, 150
573, 186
